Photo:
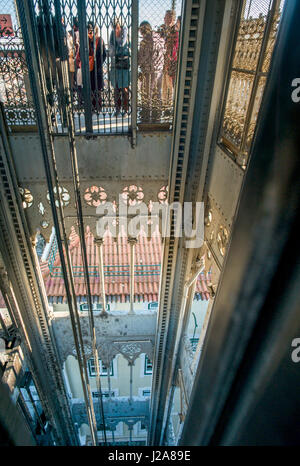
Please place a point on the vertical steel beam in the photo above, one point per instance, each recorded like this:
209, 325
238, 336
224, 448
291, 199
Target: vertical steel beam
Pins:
28, 297
132, 243
202, 48
78, 205
188, 296
26, 15
243, 351
130, 381
134, 68
99, 245
174, 255
85, 68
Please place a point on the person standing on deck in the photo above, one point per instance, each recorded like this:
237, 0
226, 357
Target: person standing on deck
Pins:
119, 74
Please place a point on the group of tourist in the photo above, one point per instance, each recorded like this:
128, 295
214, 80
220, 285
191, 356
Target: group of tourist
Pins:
118, 52
157, 60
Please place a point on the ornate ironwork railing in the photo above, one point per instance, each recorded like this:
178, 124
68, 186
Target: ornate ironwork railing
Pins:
14, 82
15, 87
250, 65
102, 74
120, 75
97, 37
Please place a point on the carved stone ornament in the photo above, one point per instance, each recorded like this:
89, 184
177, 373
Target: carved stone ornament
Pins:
132, 350
106, 352
88, 351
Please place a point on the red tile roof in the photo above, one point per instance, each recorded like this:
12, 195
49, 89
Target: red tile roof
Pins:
115, 253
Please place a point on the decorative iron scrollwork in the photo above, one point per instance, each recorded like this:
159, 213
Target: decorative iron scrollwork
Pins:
63, 196
222, 239
132, 195
95, 196
27, 197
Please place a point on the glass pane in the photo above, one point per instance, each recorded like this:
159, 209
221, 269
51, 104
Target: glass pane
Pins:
237, 106
272, 39
250, 35
255, 111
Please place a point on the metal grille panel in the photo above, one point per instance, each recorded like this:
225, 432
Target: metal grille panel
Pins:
251, 60
14, 82
110, 98
107, 106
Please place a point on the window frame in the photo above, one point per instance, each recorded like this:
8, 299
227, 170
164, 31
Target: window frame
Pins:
241, 154
105, 394
102, 369
146, 362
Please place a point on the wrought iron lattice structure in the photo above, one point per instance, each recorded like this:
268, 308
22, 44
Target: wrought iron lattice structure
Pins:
252, 54
14, 82
101, 70
100, 88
